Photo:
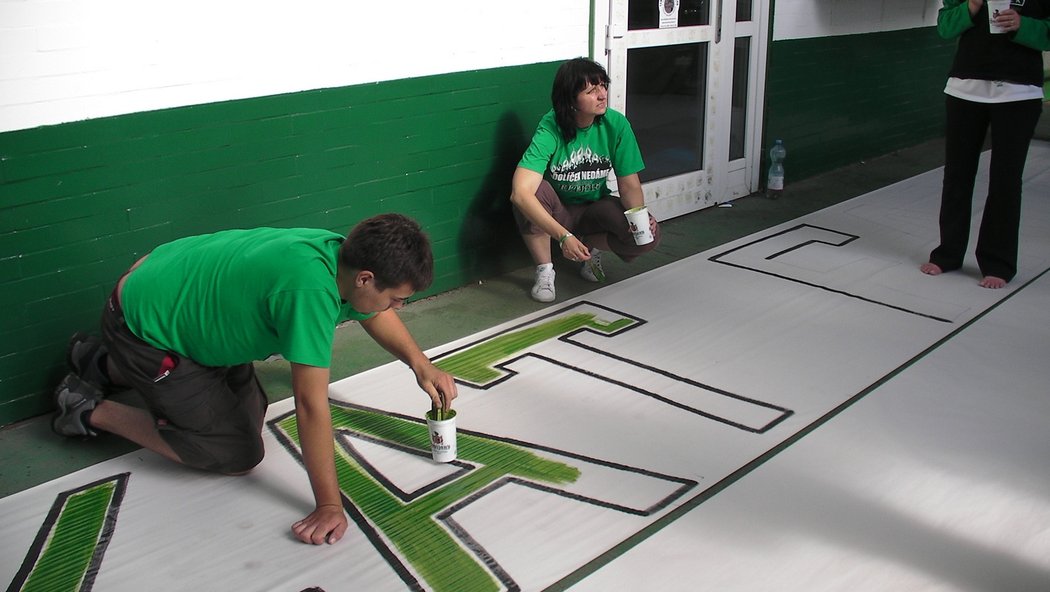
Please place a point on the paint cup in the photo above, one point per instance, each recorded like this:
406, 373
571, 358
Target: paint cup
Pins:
994, 8
638, 221
442, 436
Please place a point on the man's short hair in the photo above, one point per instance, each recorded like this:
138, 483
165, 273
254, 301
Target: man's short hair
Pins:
394, 248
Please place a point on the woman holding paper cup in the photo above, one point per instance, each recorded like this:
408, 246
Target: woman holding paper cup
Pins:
995, 82
560, 189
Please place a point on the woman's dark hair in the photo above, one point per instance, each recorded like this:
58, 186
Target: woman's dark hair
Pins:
572, 77
394, 248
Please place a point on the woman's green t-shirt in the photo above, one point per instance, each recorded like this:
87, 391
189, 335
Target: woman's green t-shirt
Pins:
579, 170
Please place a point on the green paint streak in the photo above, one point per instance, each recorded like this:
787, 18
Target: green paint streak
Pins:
475, 364
431, 550
67, 555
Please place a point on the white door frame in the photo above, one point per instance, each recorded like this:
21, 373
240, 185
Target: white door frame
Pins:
720, 180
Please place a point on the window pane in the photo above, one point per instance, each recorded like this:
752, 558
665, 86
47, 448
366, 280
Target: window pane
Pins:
666, 88
645, 14
738, 123
743, 11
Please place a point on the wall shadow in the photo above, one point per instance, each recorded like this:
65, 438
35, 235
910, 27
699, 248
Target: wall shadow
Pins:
489, 244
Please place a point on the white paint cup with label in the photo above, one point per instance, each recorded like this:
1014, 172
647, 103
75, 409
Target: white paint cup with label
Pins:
994, 8
638, 221
442, 435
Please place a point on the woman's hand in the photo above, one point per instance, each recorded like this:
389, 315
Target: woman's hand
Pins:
574, 250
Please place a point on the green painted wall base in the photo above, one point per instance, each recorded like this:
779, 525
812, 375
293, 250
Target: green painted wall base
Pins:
839, 100
81, 201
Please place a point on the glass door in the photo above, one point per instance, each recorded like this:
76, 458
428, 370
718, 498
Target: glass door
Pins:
687, 73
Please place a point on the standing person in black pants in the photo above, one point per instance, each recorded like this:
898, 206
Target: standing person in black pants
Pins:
995, 82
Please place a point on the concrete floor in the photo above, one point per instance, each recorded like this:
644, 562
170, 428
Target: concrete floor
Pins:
31, 454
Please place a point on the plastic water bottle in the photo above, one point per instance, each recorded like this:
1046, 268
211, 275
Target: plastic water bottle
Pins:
775, 183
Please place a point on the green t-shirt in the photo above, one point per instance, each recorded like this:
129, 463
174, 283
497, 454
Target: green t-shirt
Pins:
240, 295
578, 171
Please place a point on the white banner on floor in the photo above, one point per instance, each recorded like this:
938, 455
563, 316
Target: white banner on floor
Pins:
584, 429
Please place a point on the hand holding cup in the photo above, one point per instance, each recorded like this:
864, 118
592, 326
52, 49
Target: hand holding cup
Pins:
1001, 18
641, 228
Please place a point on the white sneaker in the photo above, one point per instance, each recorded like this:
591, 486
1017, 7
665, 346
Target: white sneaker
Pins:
543, 289
591, 270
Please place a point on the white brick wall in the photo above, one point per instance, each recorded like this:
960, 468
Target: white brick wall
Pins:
796, 19
67, 60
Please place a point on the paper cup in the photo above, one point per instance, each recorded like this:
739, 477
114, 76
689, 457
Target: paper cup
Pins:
638, 221
442, 436
994, 8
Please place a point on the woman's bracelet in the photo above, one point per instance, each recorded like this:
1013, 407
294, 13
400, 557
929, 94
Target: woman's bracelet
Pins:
564, 237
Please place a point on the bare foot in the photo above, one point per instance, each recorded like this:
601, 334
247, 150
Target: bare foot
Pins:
930, 269
992, 282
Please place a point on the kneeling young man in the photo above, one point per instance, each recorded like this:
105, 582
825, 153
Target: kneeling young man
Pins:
184, 324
